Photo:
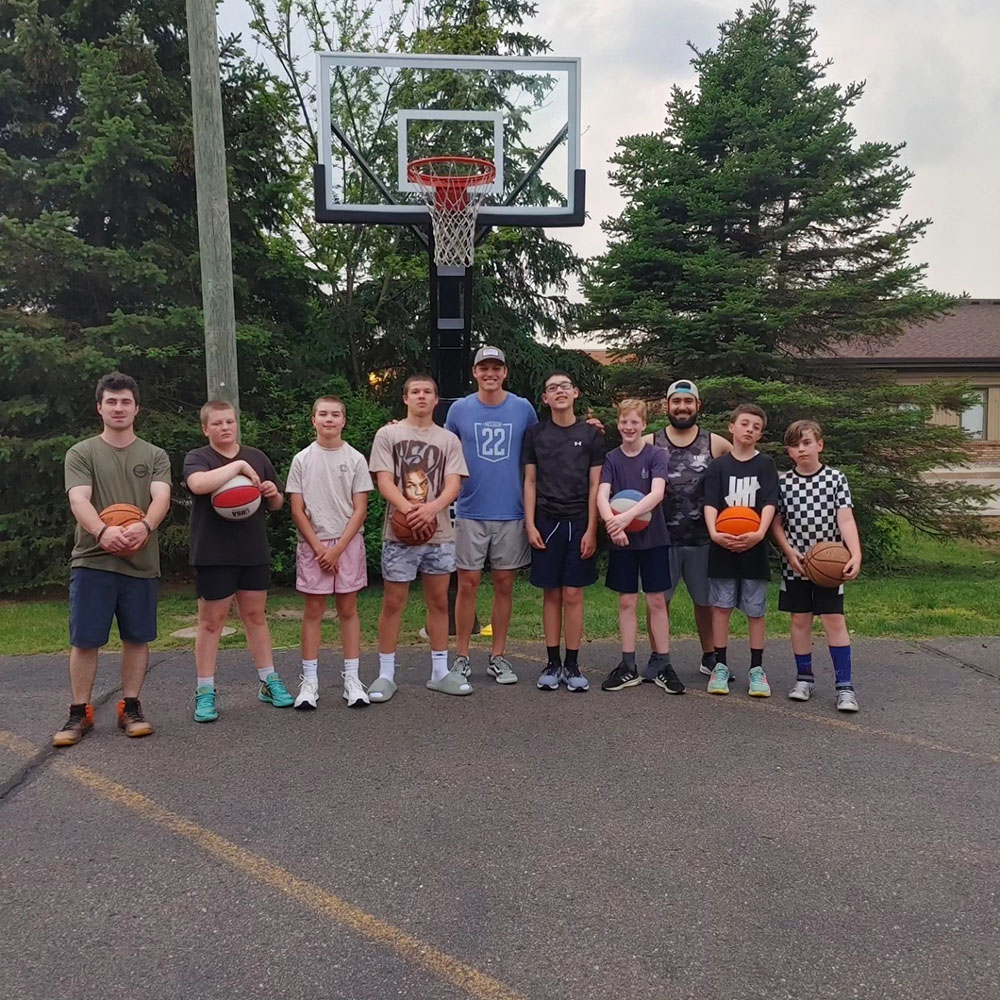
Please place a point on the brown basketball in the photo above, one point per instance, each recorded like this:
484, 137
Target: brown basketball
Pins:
121, 515
824, 563
402, 530
737, 521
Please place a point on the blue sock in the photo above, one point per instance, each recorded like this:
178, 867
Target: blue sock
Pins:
804, 667
841, 656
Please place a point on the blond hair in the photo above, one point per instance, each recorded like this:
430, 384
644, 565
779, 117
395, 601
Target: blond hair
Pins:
632, 405
214, 406
795, 431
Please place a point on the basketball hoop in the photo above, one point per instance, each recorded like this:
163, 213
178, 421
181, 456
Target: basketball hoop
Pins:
453, 188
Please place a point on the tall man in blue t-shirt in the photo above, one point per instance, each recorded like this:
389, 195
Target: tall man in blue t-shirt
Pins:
490, 511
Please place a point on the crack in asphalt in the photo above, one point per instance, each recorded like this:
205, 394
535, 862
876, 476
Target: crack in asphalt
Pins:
956, 659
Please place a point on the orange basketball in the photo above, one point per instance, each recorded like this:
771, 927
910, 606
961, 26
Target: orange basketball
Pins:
824, 563
737, 521
402, 530
121, 515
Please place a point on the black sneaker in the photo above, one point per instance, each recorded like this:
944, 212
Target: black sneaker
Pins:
77, 726
669, 681
650, 671
623, 676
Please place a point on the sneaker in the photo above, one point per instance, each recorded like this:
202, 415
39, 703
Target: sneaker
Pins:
77, 726
133, 722
623, 676
308, 693
499, 666
354, 692
273, 692
758, 686
574, 680
801, 691
847, 700
718, 680
462, 665
669, 681
550, 677
651, 670
204, 705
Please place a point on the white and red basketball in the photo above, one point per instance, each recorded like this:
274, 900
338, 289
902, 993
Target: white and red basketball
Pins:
236, 500
626, 500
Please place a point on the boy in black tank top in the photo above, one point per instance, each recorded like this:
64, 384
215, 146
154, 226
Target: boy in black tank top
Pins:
689, 450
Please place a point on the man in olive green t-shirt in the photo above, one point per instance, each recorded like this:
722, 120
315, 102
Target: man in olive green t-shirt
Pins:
113, 570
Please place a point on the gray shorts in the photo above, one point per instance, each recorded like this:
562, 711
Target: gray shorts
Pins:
690, 562
503, 543
401, 563
750, 596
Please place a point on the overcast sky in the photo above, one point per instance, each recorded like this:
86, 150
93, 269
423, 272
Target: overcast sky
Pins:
933, 82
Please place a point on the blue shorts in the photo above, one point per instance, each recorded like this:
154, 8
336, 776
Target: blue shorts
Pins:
559, 564
96, 596
626, 565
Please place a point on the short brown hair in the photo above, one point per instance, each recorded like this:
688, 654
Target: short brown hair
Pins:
752, 409
117, 382
633, 405
420, 377
214, 406
329, 399
793, 435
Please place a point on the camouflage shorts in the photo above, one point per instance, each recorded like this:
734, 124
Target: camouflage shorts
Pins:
401, 563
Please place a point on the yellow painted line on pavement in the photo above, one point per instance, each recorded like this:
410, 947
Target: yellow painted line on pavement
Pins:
447, 968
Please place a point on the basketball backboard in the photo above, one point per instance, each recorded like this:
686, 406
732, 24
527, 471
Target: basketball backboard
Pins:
380, 111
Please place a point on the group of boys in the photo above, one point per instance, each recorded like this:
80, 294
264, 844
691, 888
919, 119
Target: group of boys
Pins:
525, 492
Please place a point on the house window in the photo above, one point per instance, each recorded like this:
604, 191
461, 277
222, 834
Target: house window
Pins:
974, 417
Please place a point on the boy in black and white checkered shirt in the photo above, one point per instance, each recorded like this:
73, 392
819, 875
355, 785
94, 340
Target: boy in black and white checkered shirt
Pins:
815, 506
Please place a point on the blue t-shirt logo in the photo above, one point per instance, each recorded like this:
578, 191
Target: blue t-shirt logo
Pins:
493, 440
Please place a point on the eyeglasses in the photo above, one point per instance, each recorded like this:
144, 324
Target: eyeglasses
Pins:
559, 387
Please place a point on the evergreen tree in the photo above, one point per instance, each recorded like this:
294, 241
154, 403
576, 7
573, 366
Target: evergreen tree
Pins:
758, 236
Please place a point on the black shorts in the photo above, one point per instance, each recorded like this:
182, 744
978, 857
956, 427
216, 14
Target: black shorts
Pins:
626, 565
559, 564
803, 597
214, 583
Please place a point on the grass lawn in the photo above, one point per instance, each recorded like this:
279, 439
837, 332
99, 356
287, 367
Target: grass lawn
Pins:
939, 589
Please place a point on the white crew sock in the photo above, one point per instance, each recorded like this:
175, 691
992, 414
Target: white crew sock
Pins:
387, 665
265, 672
351, 668
439, 664
206, 682
309, 668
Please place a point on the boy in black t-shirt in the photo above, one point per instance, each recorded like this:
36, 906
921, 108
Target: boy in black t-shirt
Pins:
738, 564
230, 557
562, 469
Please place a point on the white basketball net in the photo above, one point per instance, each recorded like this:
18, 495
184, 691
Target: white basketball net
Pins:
453, 188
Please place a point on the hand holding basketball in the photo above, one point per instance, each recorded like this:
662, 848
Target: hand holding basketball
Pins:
268, 489
825, 564
125, 533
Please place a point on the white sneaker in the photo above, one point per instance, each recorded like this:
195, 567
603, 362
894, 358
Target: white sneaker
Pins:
308, 693
354, 692
847, 701
801, 691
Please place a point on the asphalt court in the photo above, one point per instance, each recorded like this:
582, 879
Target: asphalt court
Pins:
515, 845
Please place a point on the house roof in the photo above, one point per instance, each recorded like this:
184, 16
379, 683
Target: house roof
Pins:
970, 333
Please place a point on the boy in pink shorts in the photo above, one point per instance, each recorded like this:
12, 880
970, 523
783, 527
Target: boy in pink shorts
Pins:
329, 484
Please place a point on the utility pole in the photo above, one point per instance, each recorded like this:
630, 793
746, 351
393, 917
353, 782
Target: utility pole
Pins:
213, 204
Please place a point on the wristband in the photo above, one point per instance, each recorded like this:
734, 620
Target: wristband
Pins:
100, 534
145, 524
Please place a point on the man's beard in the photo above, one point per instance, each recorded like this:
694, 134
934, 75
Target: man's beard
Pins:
682, 423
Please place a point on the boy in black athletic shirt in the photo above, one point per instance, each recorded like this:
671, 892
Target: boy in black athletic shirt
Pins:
738, 567
562, 470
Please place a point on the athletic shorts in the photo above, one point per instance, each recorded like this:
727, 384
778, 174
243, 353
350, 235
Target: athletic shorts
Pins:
215, 583
351, 575
403, 563
625, 566
750, 596
804, 597
559, 564
96, 596
504, 544
690, 563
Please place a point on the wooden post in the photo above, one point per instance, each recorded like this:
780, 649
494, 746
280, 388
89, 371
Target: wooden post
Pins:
213, 204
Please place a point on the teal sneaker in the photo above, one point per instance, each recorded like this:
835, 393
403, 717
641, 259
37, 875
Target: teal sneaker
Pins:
718, 683
759, 688
204, 705
273, 692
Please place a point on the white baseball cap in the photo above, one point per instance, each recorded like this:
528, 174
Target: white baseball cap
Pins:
683, 387
489, 354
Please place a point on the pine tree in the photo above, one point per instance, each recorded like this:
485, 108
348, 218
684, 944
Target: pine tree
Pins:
758, 236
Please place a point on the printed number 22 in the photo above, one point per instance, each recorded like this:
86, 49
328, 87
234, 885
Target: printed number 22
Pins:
492, 442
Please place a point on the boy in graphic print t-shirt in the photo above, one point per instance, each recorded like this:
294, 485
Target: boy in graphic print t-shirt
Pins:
738, 564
